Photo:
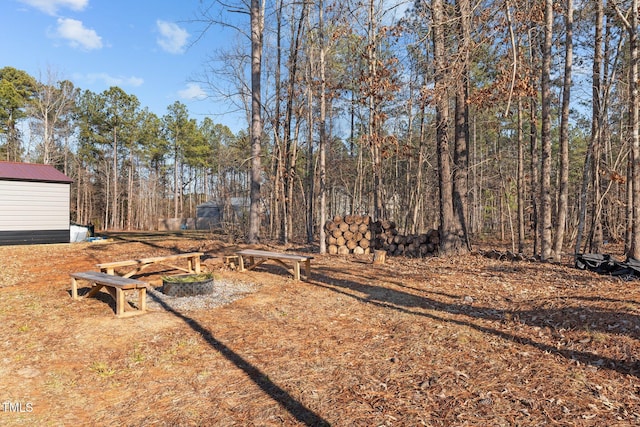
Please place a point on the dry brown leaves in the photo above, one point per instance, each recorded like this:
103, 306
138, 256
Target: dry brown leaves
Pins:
438, 341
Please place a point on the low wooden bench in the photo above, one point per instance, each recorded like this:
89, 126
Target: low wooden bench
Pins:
116, 286
258, 257
193, 263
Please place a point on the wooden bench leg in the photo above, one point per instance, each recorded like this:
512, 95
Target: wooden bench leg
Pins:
194, 264
296, 270
120, 302
240, 262
142, 299
74, 288
307, 269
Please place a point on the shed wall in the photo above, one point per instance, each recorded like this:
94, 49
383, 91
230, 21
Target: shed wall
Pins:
33, 212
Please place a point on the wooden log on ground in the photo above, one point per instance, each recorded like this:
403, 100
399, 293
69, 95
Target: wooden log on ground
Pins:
379, 257
350, 231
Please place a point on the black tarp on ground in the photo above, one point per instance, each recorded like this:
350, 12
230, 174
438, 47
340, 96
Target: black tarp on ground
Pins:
606, 264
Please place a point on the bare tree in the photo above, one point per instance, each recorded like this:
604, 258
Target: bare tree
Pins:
51, 105
450, 236
630, 23
564, 135
323, 131
545, 171
257, 26
461, 148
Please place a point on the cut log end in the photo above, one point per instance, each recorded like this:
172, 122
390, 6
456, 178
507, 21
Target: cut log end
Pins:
379, 257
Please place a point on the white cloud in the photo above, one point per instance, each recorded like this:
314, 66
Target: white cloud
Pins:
172, 38
110, 80
192, 91
51, 6
77, 35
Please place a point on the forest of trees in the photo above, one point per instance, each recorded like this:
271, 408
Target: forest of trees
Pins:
515, 120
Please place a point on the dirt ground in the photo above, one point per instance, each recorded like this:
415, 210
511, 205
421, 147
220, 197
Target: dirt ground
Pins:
434, 342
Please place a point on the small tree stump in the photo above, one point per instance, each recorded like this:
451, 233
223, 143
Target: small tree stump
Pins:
379, 257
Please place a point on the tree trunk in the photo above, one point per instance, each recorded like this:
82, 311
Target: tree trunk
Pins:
256, 120
322, 130
634, 251
520, 180
545, 168
373, 131
450, 236
564, 136
461, 150
596, 119
311, 175
114, 200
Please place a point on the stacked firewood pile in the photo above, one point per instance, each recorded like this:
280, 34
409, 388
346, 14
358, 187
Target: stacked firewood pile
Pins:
358, 234
416, 245
348, 234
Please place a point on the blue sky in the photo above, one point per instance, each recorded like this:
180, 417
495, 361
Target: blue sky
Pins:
144, 47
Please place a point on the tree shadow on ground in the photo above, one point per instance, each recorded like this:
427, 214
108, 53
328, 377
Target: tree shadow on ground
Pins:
405, 302
278, 394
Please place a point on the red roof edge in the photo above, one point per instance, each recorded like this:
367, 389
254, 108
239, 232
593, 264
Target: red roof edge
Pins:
16, 171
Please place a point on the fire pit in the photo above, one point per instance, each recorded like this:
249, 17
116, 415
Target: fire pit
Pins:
187, 285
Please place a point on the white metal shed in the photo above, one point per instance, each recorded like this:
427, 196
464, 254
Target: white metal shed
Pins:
34, 204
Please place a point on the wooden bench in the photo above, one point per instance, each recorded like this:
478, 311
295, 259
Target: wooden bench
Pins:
193, 263
116, 286
258, 257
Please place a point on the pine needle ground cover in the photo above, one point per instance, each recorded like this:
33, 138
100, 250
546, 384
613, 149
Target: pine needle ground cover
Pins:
434, 341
